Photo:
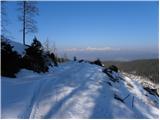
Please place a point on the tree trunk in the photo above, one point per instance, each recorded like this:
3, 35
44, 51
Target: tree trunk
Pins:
24, 20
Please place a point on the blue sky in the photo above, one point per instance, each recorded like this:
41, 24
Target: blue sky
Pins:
116, 26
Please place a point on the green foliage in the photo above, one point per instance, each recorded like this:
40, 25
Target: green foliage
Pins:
113, 68
10, 60
97, 62
34, 58
53, 58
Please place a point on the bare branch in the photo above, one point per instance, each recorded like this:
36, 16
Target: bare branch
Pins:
28, 11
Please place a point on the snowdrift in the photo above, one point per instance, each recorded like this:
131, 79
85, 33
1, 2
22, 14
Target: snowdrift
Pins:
76, 90
18, 47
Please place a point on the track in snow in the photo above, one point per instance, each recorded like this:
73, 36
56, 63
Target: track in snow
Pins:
73, 90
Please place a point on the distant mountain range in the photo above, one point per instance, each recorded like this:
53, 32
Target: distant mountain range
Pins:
121, 55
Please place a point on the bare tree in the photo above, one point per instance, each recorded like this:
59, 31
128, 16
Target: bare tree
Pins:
28, 11
46, 45
54, 49
4, 20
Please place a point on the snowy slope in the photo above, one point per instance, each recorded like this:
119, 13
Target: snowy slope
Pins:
75, 90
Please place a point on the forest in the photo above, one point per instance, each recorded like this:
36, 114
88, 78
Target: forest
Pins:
146, 67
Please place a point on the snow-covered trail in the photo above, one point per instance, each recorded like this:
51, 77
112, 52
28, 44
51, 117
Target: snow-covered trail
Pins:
71, 97
49, 92
72, 90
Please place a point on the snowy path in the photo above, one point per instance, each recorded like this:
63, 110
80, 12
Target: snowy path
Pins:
73, 90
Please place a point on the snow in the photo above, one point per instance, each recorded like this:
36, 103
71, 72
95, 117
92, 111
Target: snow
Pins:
142, 80
75, 90
17, 47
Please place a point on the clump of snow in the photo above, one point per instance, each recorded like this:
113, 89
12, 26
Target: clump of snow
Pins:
142, 80
18, 47
75, 90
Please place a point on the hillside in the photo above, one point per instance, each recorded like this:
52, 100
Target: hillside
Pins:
76, 90
52, 55
148, 68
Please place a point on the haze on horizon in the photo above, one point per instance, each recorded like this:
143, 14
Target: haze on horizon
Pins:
90, 30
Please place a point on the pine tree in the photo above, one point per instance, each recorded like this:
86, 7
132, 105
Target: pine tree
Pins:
34, 58
10, 60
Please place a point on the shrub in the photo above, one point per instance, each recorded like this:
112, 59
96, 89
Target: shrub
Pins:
34, 58
10, 60
113, 68
98, 62
81, 61
75, 59
53, 58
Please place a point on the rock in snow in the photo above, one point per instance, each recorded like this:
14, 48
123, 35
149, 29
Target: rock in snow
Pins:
75, 90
